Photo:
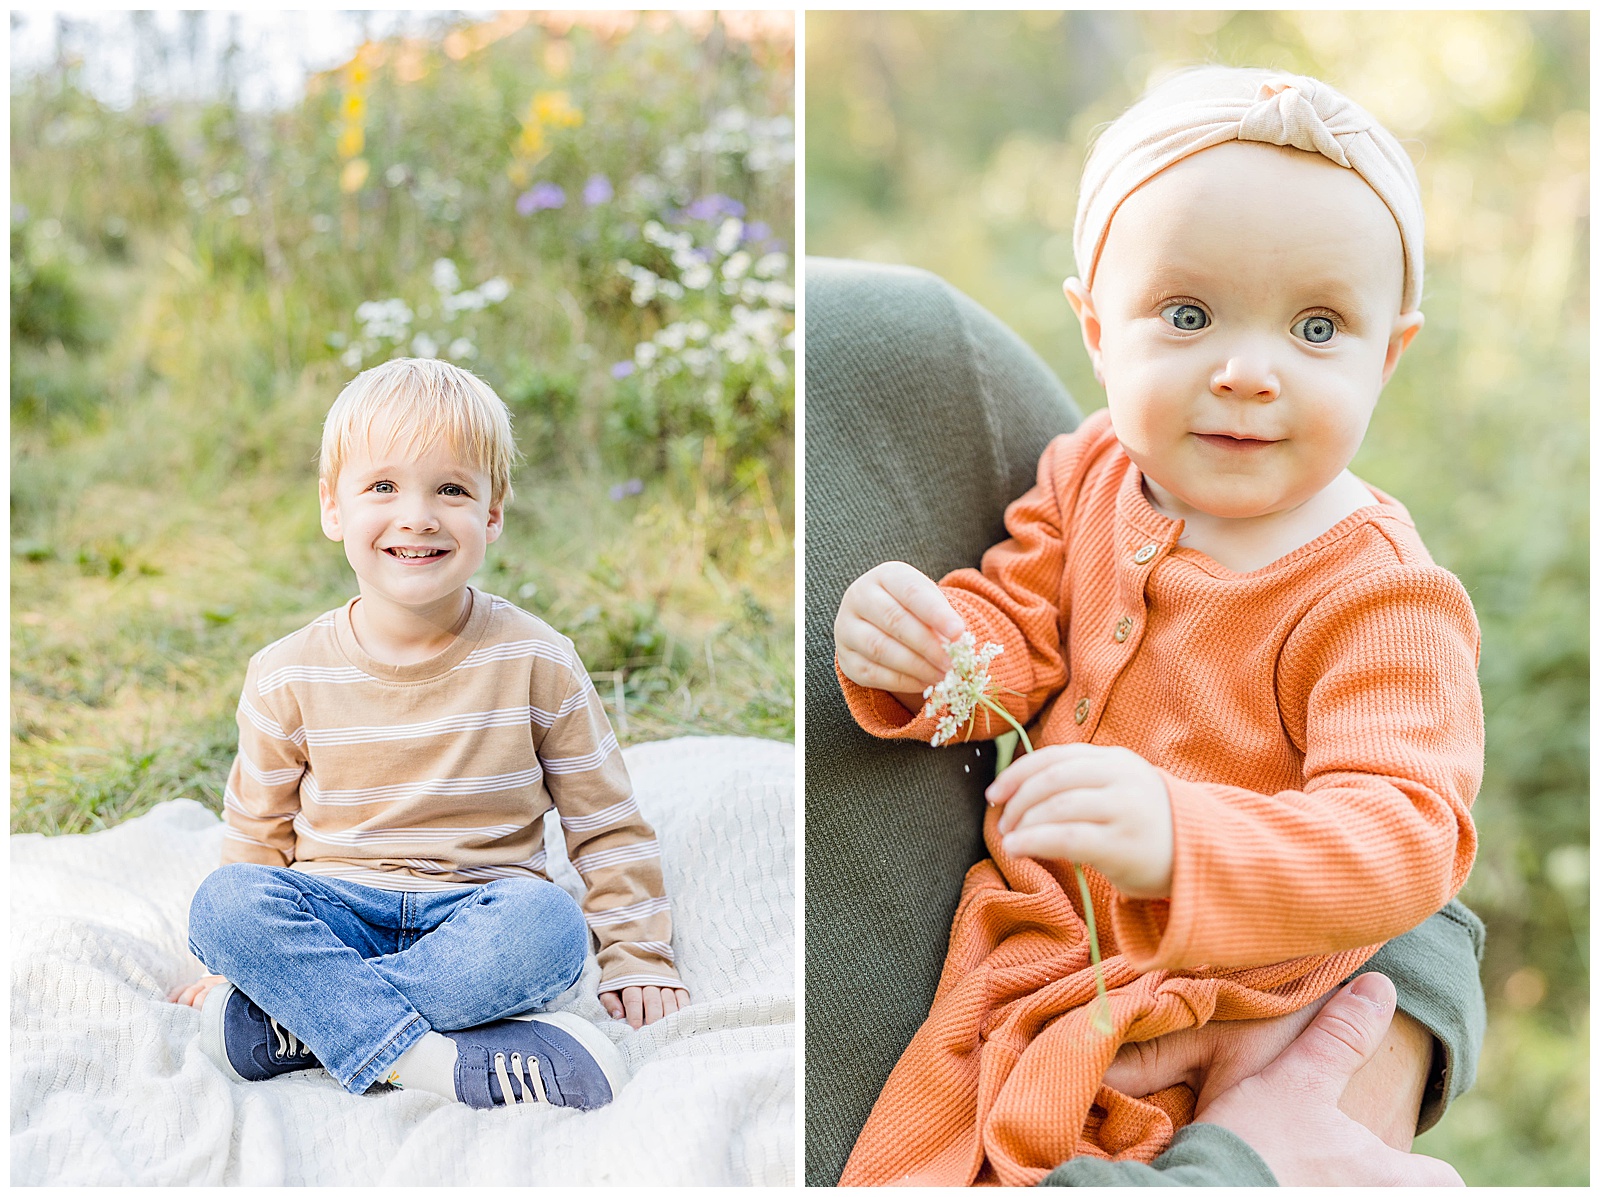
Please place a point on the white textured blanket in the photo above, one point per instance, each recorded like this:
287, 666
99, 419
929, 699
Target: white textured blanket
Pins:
108, 1084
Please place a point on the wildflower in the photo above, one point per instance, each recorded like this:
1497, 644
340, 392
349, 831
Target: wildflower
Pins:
711, 207
422, 345
446, 278
597, 190
963, 689
621, 370
539, 197
495, 289
626, 490
461, 349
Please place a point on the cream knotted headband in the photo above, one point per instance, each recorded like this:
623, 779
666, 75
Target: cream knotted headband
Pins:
1198, 109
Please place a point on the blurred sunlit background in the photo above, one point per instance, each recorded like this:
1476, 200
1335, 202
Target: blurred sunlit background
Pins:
218, 219
953, 141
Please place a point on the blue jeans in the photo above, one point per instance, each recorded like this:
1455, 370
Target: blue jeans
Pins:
360, 974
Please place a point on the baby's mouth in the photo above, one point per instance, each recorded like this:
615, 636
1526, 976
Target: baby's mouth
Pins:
411, 554
1223, 440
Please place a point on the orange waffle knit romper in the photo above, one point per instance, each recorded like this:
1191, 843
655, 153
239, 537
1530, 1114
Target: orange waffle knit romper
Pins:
1320, 730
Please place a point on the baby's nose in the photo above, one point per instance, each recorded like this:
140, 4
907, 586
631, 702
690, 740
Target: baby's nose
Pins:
1245, 378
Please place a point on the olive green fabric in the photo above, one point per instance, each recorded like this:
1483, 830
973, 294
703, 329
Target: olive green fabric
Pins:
924, 417
1435, 973
1200, 1155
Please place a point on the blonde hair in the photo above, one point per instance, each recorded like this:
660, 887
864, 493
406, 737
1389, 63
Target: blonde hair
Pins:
423, 399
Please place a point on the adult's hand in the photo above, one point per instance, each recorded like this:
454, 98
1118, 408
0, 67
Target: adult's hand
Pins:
1289, 1111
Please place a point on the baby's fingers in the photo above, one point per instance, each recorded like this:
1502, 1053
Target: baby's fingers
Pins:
1086, 843
921, 596
869, 657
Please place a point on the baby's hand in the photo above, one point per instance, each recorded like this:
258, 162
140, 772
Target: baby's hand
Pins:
890, 631
1101, 806
644, 1004
195, 993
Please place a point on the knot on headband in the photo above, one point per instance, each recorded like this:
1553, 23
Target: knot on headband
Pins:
1281, 115
1198, 109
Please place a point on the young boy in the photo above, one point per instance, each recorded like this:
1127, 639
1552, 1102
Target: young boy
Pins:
1253, 693
382, 909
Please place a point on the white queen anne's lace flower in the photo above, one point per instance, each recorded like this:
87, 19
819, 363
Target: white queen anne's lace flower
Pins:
955, 700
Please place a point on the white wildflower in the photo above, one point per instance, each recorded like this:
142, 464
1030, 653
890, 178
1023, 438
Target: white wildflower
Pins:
446, 278
494, 290
955, 699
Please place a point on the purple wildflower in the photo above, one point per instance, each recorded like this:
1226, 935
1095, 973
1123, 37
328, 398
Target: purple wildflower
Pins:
621, 370
713, 207
757, 230
539, 197
625, 490
597, 190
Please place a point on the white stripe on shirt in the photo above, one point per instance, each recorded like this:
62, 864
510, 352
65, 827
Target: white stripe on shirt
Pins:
404, 791
607, 857
617, 812
626, 914
581, 764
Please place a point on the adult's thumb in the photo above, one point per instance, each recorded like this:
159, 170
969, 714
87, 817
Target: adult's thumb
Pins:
1339, 1040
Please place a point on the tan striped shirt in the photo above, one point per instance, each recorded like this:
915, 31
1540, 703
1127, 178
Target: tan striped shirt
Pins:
438, 774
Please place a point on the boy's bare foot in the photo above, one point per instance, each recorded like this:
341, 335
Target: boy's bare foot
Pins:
195, 994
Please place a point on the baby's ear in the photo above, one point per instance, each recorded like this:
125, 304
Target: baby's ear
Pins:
330, 511
1083, 308
497, 523
1406, 327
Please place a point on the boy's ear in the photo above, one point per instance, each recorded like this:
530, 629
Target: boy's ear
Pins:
1083, 308
330, 511
1406, 327
497, 523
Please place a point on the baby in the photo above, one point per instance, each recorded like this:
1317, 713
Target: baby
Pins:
1254, 695
382, 909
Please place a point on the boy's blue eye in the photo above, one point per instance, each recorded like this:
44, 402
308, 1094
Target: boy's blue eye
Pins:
1316, 329
384, 488
451, 489
1185, 316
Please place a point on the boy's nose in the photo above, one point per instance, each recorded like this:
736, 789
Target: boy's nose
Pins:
1243, 377
420, 519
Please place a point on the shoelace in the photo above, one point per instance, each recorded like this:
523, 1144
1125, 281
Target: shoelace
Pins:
524, 1095
288, 1044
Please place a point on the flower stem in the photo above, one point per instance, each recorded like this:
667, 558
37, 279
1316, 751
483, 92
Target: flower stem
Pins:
1101, 1019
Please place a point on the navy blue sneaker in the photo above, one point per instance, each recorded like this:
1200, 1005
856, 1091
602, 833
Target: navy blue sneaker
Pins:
556, 1059
245, 1042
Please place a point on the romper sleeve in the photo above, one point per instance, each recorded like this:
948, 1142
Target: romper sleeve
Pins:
608, 841
1377, 687
262, 796
1016, 600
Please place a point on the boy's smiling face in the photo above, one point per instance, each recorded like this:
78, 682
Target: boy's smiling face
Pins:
415, 526
1244, 317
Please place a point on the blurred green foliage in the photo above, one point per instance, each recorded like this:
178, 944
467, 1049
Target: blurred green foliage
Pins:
193, 282
953, 141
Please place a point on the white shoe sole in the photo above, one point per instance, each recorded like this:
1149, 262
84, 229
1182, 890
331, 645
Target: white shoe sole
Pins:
605, 1052
212, 1013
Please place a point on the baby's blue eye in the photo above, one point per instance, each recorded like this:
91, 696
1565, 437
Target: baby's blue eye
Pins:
1185, 316
384, 488
1316, 329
